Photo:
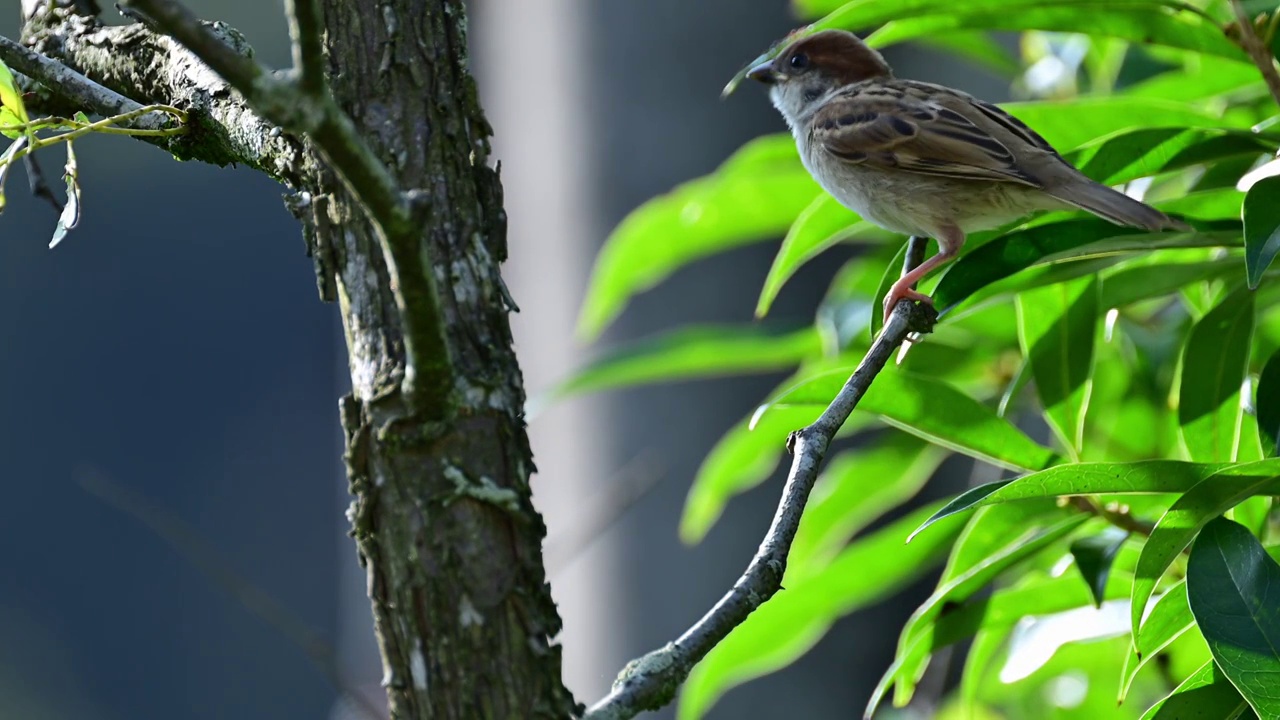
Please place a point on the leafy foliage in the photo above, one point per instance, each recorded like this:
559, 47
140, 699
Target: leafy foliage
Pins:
1152, 358
30, 135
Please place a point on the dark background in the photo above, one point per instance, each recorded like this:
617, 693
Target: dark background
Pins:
174, 347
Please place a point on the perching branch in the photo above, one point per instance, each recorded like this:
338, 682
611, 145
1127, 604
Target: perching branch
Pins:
310, 110
1257, 51
651, 681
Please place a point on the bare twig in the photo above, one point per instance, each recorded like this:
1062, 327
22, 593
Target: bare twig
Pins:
39, 187
1116, 514
651, 681
1258, 52
180, 535
629, 485
305, 28
242, 72
75, 88
428, 380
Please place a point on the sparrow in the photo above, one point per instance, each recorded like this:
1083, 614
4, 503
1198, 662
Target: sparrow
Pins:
923, 159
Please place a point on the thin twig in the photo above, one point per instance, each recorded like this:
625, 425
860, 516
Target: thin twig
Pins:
629, 485
650, 682
305, 31
73, 87
80, 129
197, 550
428, 378
1117, 515
179, 23
1258, 52
39, 187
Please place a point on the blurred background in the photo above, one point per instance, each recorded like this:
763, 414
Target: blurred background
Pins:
171, 382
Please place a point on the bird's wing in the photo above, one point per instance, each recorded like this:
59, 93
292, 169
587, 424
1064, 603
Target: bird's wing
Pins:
899, 127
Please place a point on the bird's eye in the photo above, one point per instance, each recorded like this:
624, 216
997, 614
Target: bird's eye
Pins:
799, 61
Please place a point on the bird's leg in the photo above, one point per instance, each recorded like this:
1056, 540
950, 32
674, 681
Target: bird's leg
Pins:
950, 240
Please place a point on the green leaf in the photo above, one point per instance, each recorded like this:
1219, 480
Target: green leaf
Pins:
1069, 124
1144, 152
692, 352
1056, 329
843, 502
8, 121
1216, 204
823, 224
1036, 276
1144, 476
1076, 238
984, 649
1261, 227
1094, 556
990, 529
1154, 21
916, 640
755, 195
11, 98
1129, 285
977, 46
931, 409
986, 534
6, 164
1214, 362
1003, 609
785, 627
1231, 586
1206, 694
70, 216
1267, 405
1136, 21
1169, 618
1211, 77
1180, 523
988, 618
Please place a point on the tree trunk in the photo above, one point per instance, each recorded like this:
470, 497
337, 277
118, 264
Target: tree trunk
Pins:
442, 516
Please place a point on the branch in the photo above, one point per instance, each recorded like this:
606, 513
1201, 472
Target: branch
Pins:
1258, 52
305, 30
204, 557
73, 87
137, 63
650, 682
240, 71
308, 110
1114, 513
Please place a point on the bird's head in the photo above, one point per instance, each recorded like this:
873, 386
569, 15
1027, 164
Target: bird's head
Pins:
809, 67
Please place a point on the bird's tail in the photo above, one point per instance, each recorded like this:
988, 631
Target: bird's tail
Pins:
1115, 206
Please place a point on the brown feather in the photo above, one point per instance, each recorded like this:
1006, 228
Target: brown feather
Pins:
884, 124
840, 54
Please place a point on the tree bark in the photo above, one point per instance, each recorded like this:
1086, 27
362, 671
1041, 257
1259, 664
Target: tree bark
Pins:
442, 515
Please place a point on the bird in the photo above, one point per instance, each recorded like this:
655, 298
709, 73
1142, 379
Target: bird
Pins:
923, 159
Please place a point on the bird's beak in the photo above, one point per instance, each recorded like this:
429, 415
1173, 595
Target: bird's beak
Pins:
764, 73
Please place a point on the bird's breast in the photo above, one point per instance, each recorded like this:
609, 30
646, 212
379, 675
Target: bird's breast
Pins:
921, 204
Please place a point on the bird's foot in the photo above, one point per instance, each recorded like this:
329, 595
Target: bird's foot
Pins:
903, 292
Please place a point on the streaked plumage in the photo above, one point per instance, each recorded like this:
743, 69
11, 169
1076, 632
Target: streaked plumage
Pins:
924, 159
